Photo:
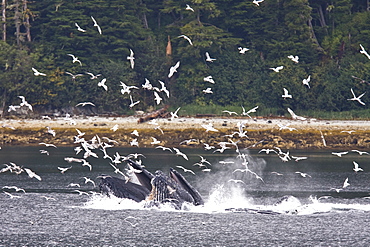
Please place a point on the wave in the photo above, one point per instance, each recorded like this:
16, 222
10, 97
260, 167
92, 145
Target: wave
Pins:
224, 200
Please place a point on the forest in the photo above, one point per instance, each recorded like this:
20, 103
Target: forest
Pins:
226, 52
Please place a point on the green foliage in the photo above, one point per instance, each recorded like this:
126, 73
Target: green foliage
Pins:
325, 35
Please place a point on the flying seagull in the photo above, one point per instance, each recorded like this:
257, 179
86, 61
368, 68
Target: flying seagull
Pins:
17, 189
208, 58
356, 167
157, 98
132, 102
235, 181
173, 69
293, 58
179, 153
209, 127
186, 170
189, 8
127, 89
339, 154
164, 89
360, 152
79, 28
306, 81
85, 103
230, 112
96, 24
286, 94
11, 196
102, 84
47, 144
345, 184
208, 90
295, 116
92, 76
277, 69
25, 103
75, 59
37, 73
303, 174
363, 51
64, 169
357, 98
209, 79
31, 174
187, 38
131, 58
254, 109
174, 114
242, 50
257, 2
74, 76
88, 180
147, 85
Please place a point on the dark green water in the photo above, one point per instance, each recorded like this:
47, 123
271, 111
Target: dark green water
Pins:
70, 219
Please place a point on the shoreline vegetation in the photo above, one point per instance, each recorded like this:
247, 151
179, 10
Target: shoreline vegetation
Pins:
190, 132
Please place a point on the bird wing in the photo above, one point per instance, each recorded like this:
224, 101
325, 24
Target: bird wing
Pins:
99, 29
292, 113
353, 93
177, 65
93, 19
252, 110
355, 164
188, 39
177, 110
361, 95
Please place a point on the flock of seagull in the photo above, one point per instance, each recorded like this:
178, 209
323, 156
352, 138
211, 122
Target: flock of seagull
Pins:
173, 69
98, 147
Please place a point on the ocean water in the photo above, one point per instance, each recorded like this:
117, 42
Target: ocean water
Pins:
241, 208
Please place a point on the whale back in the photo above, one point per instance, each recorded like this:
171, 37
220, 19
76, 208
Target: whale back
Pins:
122, 189
198, 200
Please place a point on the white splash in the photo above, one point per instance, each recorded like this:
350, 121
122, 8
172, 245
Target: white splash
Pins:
104, 202
225, 195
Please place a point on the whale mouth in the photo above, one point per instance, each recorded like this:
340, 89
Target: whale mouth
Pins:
166, 189
155, 188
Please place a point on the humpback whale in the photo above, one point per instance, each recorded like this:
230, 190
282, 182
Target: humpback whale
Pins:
155, 189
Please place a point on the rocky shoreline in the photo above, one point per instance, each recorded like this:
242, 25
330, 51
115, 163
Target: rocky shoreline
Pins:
190, 132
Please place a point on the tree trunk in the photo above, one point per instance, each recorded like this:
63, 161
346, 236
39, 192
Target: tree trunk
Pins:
169, 47
145, 21
27, 13
3, 19
3, 103
322, 17
313, 36
17, 22
155, 114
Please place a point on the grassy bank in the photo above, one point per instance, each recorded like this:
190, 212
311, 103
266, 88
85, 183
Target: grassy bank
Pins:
262, 138
216, 110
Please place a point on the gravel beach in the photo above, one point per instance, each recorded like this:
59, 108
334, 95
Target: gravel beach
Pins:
258, 133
